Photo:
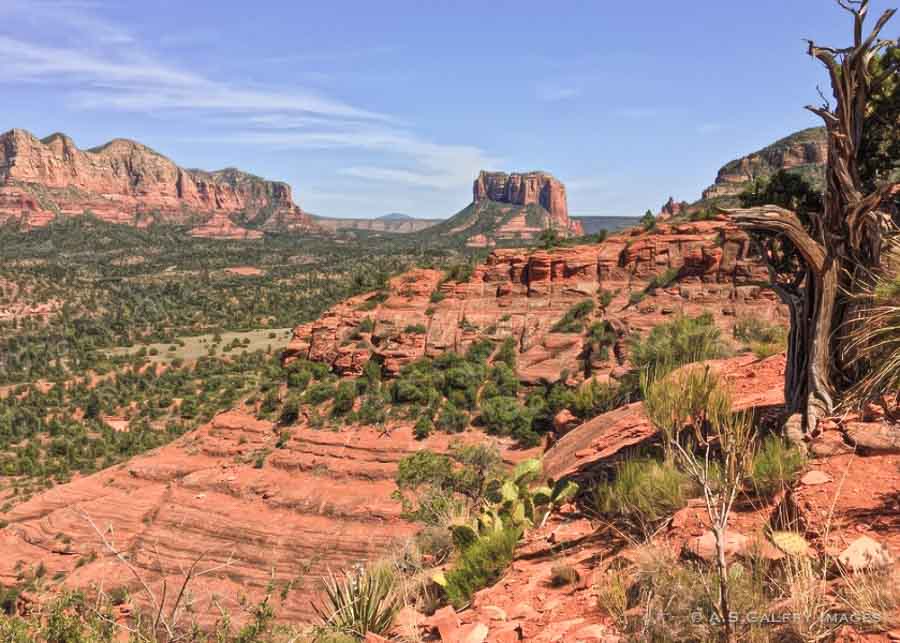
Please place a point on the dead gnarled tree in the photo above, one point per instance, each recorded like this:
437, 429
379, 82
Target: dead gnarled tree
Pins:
821, 261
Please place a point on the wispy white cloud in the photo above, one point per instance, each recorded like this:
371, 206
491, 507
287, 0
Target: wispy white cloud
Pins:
143, 84
638, 112
100, 66
556, 93
418, 162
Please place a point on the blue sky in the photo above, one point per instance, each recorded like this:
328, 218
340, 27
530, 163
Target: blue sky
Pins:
373, 107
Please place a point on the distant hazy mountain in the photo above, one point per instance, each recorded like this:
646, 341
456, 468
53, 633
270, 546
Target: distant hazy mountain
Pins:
395, 216
593, 225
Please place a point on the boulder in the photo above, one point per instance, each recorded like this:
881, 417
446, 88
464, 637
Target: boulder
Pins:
865, 553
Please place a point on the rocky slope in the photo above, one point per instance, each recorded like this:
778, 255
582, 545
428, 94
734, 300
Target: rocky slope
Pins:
323, 500
802, 152
525, 293
510, 208
128, 183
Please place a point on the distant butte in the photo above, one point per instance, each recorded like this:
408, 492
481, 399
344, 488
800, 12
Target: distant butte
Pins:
128, 183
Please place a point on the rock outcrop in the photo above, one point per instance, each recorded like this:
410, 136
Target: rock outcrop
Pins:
321, 501
128, 183
803, 152
523, 294
529, 188
510, 209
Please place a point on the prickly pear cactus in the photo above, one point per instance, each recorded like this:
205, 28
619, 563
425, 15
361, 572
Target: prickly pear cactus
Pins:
790, 542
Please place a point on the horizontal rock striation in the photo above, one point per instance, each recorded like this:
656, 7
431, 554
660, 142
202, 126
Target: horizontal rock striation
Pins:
128, 183
320, 502
803, 152
523, 294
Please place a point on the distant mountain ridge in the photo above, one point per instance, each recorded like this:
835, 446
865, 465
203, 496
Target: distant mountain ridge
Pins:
126, 182
393, 223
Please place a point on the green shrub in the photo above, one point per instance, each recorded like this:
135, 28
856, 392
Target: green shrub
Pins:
593, 398
452, 420
298, 378
775, 465
366, 325
573, 320
480, 565
290, 411
663, 279
319, 393
605, 298
459, 272
423, 428
680, 341
372, 410
504, 379
764, 339
635, 297
344, 398
270, 402
643, 492
648, 221
416, 329
508, 353
504, 415
437, 296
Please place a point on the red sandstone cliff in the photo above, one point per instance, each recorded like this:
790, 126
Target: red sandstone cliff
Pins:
523, 189
129, 183
523, 293
803, 152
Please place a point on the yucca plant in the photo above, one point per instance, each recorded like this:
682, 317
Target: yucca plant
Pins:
875, 339
358, 602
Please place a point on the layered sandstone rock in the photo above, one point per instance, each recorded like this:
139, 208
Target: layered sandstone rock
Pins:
128, 183
523, 294
508, 209
803, 152
320, 502
524, 189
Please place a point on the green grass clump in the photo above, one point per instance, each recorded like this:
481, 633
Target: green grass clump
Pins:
678, 342
763, 339
643, 492
775, 465
573, 320
480, 565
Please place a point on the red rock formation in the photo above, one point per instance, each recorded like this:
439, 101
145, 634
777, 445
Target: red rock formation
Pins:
322, 502
805, 150
523, 294
538, 188
126, 182
670, 209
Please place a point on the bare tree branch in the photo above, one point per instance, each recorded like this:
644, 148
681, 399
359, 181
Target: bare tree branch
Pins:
777, 219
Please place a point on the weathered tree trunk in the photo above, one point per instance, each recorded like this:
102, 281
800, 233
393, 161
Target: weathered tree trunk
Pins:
843, 247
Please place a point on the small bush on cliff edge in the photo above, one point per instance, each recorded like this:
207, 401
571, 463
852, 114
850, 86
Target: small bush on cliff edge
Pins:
678, 342
480, 565
643, 493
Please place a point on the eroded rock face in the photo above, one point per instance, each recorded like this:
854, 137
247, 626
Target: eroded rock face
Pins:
539, 188
523, 294
804, 151
128, 183
321, 502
